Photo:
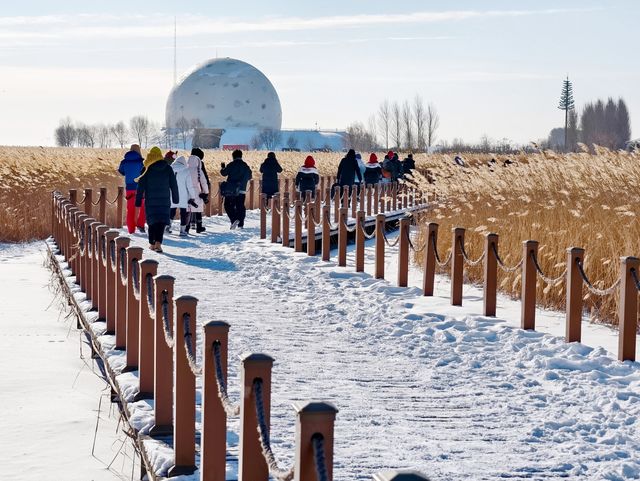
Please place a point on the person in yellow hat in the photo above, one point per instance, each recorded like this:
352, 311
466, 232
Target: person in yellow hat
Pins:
157, 186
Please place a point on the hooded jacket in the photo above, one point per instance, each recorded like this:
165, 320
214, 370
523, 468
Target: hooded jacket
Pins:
131, 167
157, 185
238, 173
307, 179
349, 169
270, 169
198, 180
373, 173
186, 190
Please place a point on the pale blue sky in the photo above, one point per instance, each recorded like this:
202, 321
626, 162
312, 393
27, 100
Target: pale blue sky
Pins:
490, 67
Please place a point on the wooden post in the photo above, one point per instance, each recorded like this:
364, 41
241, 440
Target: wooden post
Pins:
428, 281
95, 245
252, 188
85, 279
457, 267
251, 464
529, 285
275, 218
119, 208
354, 201
490, 275
574, 295
405, 196
88, 201
384, 188
394, 196
122, 244
368, 193
184, 407
263, 216
134, 255
146, 329
73, 196
628, 308
380, 224
342, 237
101, 272
285, 219
326, 232
102, 216
318, 206
163, 380
297, 220
311, 229
315, 423
213, 440
81, 217
360, 240
110, 281
221, 202
346, 193
403, 253
361, 196
286, 187
376, 198
336, 203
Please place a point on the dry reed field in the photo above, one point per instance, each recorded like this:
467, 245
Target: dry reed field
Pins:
582, 200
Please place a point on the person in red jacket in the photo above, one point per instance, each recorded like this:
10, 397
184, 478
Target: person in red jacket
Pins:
130, 168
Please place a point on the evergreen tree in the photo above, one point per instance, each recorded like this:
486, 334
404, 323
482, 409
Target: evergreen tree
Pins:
567, 104
623, 125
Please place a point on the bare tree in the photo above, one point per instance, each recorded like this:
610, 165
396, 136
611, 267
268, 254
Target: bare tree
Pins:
384, 121
407, 123
292, 142
267, 138
87, 135
182, 127
432, 123
120, 133
140, 127
104, 135
359, 138
66, 133
396, 124
420, 121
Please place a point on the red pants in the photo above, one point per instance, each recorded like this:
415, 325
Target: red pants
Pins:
131, 212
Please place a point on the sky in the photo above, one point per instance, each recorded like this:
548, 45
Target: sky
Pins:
490, 68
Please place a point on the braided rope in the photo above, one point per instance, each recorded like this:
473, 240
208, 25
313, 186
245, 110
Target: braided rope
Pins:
437, 256
135, 277
502, 265
349, 229
549, 280
634, 274
116, 199
414, 249
112, 254
98, 199
466, 256
319, 457
390, 244
151, 295
593, 289
364, 233
123, 265
230, 408
263, 435
166, 328
189, 346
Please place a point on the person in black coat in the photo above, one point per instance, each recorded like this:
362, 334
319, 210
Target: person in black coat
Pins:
308, 178
238, 173
158, 187
408, 165
373, 172
270, 169
348, 170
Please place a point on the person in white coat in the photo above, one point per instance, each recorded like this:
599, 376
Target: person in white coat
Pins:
201, 187
187, 193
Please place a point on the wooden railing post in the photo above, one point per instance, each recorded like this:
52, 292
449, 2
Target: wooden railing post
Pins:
133, 257
102, 272
326, 232
297, 220
93, 260
286, 212
384, 189
628, 309
88, 201
263, 216
346, 193
318, 207
184, 406
251, 464
213, 440
403, 253
163, 380
275, 218
336, 203
85, 270
490, 275
110, 281
119, 207
405, 196
457, 267
122, 244
529, 285
360, 240
73, 196
428, 281
368, 194
73, 239
342, 237
252, 188
146, 329
102, 216
81, 217
354, 201
394, 196
376, 198
380, 225
311, 229
315, 421
574, 295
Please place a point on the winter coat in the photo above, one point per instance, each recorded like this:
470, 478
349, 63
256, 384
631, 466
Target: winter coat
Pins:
394, 167
363, 167
186, 190
131, 167
408, 165
307, 179
159, 189
270, 169
238, 173
348, 170
372, 174
199, 181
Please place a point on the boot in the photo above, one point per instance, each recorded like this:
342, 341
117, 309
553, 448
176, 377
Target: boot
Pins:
158, 247
200, 228
183, 231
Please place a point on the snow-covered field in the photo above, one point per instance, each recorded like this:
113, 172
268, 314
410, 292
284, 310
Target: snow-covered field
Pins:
418, 383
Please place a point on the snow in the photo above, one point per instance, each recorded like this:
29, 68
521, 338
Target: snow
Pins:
419, 383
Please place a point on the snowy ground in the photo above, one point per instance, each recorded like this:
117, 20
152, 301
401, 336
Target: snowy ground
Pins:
418, 383
50, 390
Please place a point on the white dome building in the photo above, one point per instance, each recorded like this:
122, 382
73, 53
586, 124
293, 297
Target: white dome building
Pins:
223, 95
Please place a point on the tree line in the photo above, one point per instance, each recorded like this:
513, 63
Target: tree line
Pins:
78, 134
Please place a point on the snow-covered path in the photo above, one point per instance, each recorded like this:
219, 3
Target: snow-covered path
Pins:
418, 383
49, 396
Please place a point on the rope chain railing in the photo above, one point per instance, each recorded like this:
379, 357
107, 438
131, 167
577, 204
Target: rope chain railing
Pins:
634, 274
552, 281
319, 457
364, 233
439, 261
189, 346
151, 295
230, 408
81, 201
593, 289
415, 249
386, 240
123, 264
81, 243
166, 328
349, 229
466, 257
263, 435
501, 263
135, 276
97, 200
116, 198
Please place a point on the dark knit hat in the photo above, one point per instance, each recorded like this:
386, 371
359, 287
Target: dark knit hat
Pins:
197, 152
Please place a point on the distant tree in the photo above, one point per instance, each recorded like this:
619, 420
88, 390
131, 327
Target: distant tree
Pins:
433, 124
140, 127
623, 124
396, 124
605, 124
182, 128
407, 125
384, 121
359, 138
567, 104
292, 142
120, 133
87, 135
66, 133
572, 133
104, 135
267, 139
420, 121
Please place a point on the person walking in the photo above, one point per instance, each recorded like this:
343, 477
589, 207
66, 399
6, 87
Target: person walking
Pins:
348, 170
201, 187
408, 165
373, 172
270, 169
158, 188
186, 193
363, 167
234, 189
307, 179
131, 167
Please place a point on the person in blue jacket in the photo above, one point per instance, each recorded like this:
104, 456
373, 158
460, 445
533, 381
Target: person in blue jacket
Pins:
131, 167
